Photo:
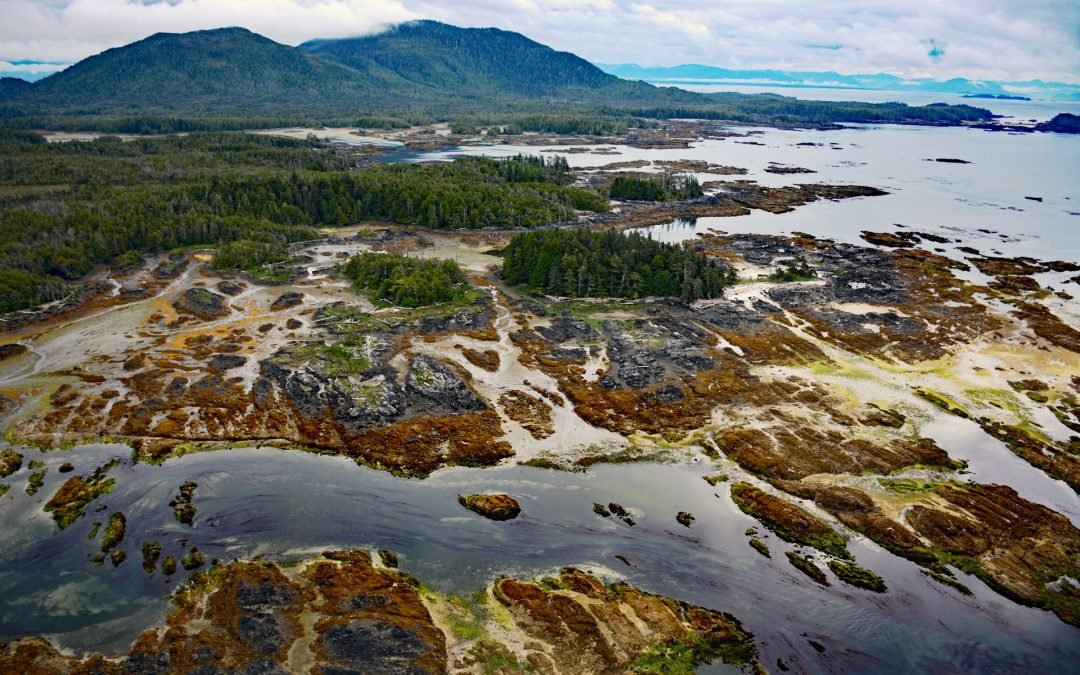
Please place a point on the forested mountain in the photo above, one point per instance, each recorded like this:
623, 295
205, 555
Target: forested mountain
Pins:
487, 63
231, 78
228, 69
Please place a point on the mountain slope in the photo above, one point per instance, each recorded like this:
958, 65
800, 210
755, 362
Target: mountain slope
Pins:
487, 63
218, 69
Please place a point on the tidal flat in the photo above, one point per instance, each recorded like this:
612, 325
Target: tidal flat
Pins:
910, 408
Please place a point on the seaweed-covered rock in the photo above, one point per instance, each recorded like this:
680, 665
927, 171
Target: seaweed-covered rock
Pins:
493, 507
438, 383
788, 521
70, 500
151, 551
231, 287
183, 509
807, 566
10, 462
114, 532
854, 575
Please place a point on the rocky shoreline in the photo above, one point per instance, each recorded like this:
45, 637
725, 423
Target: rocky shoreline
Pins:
341, 612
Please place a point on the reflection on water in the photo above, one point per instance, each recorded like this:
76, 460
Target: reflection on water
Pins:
984, 203
284, 504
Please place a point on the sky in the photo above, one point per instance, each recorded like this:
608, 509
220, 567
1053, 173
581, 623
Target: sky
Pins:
1002, 40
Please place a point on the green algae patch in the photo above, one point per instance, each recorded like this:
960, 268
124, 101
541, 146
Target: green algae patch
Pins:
760, 546
114, 532
788, 521
10, 462
37, 479
686, 655
852, 574
69, 502
943, 402
807, 566
151, 551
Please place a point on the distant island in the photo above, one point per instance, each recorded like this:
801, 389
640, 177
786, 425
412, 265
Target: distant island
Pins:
998, 97
695, 74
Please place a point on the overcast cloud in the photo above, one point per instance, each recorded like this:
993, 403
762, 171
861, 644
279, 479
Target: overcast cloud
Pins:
979, 39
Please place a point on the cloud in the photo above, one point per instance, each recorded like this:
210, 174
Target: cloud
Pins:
983, 39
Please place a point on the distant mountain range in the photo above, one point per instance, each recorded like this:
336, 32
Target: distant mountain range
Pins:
698, 74
167, 80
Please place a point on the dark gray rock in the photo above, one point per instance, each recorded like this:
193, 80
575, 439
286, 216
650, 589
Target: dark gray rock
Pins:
204, 304
374, 647
265, 632
222, 362
439, 385
231, 287
287, 300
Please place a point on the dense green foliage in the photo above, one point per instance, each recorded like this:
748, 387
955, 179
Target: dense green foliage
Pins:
783, 110
485, 63
797, 269
582, 263
245, 254
66, 207
391, 279
662, 188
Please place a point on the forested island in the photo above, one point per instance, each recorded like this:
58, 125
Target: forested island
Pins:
392, 279
583, 263
666, 187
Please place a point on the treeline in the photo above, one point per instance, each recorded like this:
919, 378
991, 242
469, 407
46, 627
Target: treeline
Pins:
662, 188
67, 207
401, 281
470, 192
583, 263
773, 110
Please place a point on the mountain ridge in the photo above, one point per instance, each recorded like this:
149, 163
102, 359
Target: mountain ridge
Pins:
418, 70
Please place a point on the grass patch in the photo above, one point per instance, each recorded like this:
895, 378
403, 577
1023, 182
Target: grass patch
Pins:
467, 614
